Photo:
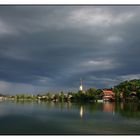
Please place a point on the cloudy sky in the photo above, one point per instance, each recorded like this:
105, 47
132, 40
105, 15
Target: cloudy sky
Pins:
49, 48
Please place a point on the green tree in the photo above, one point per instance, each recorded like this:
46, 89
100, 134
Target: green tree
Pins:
61, 96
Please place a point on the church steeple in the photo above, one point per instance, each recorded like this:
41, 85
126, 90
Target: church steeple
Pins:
81, 85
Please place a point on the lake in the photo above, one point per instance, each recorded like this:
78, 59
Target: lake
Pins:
69, 118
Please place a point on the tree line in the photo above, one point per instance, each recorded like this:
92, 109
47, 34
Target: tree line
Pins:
127, 90
89, 95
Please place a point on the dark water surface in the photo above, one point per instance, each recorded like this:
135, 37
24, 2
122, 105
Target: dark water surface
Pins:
69, 118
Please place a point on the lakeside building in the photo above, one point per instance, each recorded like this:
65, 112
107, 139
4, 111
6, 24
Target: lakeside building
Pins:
2, 97
108, 95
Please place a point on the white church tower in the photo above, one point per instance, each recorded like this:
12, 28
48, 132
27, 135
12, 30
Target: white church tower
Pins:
81, 85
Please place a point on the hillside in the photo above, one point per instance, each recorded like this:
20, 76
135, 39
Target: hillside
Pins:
128, 88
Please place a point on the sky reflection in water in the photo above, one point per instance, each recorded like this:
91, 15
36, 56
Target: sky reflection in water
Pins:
69, 118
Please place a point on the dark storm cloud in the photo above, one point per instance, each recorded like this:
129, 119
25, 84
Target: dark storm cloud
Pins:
52, 47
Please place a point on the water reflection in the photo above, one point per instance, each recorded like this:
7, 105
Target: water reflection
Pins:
69, 118
122, 105
109, 107
131, 110
81, 111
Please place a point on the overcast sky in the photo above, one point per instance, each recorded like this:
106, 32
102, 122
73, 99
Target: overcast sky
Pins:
49, 48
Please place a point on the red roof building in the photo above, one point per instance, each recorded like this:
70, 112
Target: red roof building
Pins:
108, 94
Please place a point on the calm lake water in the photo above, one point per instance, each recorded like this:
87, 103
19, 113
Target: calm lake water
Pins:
69, 118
